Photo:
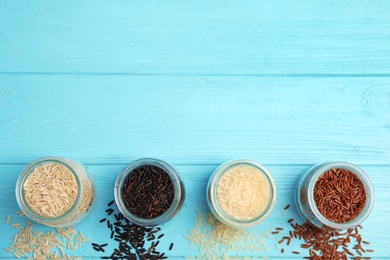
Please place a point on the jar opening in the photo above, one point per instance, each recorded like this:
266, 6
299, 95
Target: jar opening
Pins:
151, 209
147, 191
53, 188
234, 196
31, 179
340, 195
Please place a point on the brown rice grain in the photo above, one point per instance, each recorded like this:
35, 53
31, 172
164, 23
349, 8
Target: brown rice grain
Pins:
17, 225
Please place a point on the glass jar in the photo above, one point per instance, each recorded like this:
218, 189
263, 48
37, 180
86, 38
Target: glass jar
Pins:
304, 196
84, 197
178, 192
215, 207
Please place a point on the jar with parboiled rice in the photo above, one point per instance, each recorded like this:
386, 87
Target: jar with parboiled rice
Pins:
56, 192
241, 193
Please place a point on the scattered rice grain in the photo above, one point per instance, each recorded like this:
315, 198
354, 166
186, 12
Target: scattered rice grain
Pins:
17, 225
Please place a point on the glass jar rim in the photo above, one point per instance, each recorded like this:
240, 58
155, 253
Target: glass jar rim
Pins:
216, 209
177, 185
363, 178
24, 205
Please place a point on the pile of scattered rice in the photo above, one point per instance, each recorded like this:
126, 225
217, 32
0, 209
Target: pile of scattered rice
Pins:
215, 240
44, 245
323, 244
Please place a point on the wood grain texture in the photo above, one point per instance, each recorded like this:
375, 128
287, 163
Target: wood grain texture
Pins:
195, 179
196, 83
195, 37
195, 119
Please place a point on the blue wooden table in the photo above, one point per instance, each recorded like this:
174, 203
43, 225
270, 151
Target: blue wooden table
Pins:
196, 83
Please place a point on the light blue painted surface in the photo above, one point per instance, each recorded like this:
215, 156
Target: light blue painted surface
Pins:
196, 84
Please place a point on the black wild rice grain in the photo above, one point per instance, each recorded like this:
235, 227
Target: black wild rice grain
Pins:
102, 220
148, 191
170, 247
131, 240
154, 231
109, 211
160, 236
111, 202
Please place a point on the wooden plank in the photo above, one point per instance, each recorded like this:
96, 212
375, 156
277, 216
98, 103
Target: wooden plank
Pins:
198, 37
109, 119
195, 178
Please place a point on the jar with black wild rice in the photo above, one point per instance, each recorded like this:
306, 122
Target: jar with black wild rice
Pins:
55, 191
334, 196
149, 192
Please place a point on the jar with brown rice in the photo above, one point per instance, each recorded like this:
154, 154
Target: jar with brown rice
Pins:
55, 191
